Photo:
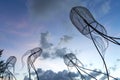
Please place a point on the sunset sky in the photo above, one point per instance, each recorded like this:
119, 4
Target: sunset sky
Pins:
26, 24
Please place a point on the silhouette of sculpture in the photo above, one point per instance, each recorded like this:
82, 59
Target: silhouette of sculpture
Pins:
10, 64
83, 20
71, 61
34, 54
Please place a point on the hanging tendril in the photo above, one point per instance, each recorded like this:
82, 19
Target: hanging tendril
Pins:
83, 20
34, 54
71, 61
10, 64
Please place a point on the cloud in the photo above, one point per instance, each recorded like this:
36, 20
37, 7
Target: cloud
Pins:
65, 39
45, 41
47, 7
50, 75
94, 74
105, 7
54, 52
26, 78
103, 78
118, 60
99, 7
54, 15
64, 75
60, 52
114, 67
16, 28
51, 50
40, 7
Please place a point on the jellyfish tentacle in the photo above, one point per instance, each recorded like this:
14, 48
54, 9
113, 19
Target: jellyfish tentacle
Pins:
100, 56
28, 66
92, 39
10, 63
85, 21
69, 61
76, 66
22, 59
34, 54
32, 65
109, 38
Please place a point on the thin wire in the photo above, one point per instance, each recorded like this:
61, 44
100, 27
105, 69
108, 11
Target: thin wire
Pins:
81, 68
35, 53
94, 44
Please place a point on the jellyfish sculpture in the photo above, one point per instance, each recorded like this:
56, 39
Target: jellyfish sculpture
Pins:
87, 25
34, 54
10, 64
83, 20
71, 61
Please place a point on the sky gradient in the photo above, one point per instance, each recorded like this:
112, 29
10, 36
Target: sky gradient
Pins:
25, 23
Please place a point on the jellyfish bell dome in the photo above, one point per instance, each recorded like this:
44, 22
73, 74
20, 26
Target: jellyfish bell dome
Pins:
83, 20
70, 59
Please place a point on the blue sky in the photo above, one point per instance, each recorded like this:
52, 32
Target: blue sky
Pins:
23, 21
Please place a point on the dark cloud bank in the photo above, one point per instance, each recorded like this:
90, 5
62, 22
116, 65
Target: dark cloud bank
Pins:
64, 75
50, 75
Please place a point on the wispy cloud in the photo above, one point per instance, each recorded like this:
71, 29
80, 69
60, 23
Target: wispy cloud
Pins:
44, 6
105, 7
98, 7
51, 50
45, 41
65, 39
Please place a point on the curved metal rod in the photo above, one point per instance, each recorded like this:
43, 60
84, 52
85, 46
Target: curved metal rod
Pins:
35, 53
29, 71
35, 71
101, 56
82, 24
9, 75
30, 64
109, 38
22, 59
10, 63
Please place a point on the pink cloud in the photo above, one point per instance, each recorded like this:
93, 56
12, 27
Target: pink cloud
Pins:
23, 28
